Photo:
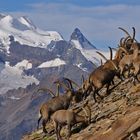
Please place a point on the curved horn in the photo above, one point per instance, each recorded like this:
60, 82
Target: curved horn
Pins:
124, 31
58, 87
83, 79
101, 62
102, 55
134, 33
121, 41
62, 84
125, 40
115, 49
71, 81
46, 89
110, 53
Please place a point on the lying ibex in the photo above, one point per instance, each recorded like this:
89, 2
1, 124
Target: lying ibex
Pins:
54, 104
69, 118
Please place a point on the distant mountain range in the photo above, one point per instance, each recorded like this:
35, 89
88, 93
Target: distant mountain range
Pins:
31, 58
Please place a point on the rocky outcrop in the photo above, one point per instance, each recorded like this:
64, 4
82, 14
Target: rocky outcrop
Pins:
116, 117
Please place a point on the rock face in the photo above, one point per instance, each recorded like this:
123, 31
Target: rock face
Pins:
77, 35
116, 117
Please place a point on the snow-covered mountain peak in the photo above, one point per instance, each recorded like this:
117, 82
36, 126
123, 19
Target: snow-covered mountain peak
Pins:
22, 23
25, 32
6, 20
79, 41
78, 36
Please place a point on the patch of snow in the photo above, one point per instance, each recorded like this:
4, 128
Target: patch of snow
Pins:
13, 78
58, 55
14, 98
24, 20
24, 64
91, 54
80, 66
52, 63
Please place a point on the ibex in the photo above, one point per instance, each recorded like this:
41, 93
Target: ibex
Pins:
128, 41
54, 104
101, 76
128, 59
78, 94
132, 50
69, 117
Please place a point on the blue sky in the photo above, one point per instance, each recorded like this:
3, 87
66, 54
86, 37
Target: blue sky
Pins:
16, 5
97, 19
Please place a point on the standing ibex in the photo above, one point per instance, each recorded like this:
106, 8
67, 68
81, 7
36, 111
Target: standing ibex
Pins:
78, 94
54, 104
125, 44
103, 75
69, 117
128, 41
131, 50
128, 59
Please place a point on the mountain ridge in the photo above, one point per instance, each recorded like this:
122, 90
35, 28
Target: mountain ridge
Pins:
32, 59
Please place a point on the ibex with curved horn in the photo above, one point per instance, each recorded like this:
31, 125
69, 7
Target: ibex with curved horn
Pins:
128, 59
101, 76
69, 117
54, 104
131, 55
78, 96
128, 40
125, 43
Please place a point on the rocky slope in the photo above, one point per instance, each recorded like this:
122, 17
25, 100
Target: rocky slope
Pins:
31, 58
116, 117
